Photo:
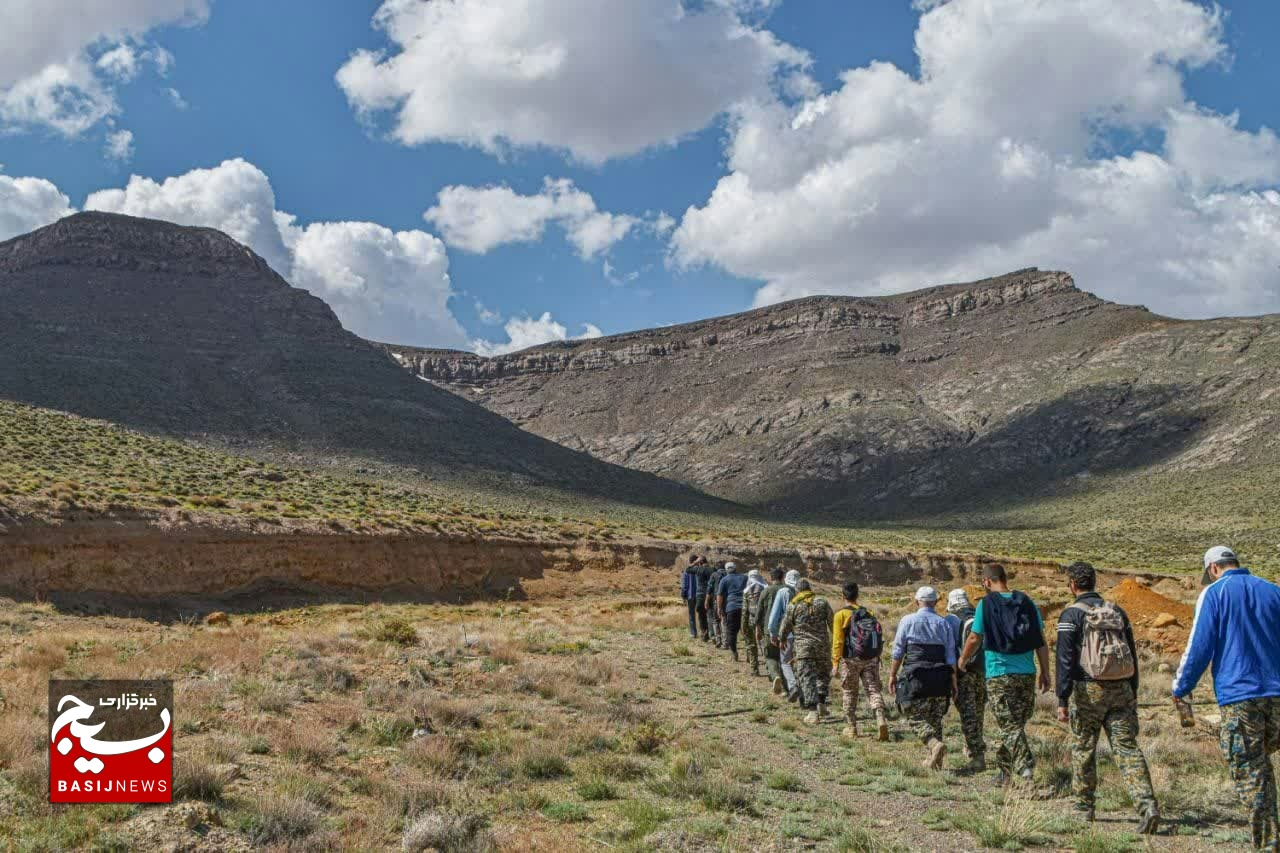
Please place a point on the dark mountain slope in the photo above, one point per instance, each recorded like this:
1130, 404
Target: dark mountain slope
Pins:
185, 332
936, 401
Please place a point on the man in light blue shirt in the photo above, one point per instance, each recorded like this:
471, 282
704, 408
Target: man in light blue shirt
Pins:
1237, 632
924, 653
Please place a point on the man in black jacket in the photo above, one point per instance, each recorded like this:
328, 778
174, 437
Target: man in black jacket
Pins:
1098, 690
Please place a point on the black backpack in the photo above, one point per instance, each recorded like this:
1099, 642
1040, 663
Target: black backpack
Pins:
864, 638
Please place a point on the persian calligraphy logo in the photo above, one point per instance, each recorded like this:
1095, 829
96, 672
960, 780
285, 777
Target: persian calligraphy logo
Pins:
111, 741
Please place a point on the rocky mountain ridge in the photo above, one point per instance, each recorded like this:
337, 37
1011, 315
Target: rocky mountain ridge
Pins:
888, 407
184, 332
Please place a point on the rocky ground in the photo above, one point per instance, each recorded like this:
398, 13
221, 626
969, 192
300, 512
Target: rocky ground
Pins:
583, 718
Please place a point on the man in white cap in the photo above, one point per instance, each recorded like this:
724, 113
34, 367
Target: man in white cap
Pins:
779, 610
971, 685
750, 608
924, 656
1237, 632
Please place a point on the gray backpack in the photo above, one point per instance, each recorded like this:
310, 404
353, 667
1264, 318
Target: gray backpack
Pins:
1104, 653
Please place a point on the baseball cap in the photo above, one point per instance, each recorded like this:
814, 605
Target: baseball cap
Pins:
1219, 554
731, 566
957, 598
927, 594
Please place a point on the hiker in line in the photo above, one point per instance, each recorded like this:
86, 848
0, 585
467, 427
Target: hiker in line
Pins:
786, 645
772, 654
971, 685
729, 600
857, 643
750, 610
1011, 631
713, 605
701, 577
689, 594
808, 623
923, 677
1237, 632
1097, 691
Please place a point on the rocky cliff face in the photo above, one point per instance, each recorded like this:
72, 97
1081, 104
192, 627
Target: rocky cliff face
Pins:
890, 406
183, 331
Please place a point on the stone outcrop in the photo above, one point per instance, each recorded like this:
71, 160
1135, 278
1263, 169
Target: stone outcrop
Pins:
941, 399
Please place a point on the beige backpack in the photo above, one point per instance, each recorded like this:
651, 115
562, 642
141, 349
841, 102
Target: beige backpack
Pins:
1104, 653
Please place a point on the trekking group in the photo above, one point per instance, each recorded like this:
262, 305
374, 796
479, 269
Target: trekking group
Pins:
994, 655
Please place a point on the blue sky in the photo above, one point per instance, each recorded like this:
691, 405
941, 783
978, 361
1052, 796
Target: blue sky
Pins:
860, 194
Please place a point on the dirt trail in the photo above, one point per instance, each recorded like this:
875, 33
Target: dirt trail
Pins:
881, 783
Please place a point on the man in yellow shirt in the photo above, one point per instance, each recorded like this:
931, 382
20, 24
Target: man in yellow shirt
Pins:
857, 642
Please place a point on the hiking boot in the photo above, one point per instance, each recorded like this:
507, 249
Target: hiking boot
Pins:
735, 657
937, 754
793, 696
883, 727
850, 731
822, 711
976, 765
811, 718
1148, 824
779, 686
755, 671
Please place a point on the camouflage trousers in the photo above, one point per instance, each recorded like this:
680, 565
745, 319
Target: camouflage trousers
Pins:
971, 704
814, 678
751, 645
868, 673
925, 717
1250, 733
1111, 707
1013, 699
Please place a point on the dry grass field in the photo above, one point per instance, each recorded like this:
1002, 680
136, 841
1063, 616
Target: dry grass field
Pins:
575, 720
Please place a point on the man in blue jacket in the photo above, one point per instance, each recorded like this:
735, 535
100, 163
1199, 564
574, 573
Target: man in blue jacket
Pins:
1237, 632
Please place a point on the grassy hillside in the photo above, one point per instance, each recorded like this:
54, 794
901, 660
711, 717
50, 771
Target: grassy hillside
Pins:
56, 467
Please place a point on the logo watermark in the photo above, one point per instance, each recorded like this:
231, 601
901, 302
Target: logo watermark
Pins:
110, 741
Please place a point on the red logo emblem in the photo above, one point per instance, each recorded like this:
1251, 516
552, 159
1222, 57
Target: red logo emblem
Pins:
110, 741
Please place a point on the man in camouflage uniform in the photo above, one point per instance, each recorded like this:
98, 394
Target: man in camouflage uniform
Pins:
772, 654
1237, 633
750, 608
1011, 675
971, 686
809, 619
1093, 705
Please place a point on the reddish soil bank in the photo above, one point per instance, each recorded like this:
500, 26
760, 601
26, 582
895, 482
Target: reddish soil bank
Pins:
106, 566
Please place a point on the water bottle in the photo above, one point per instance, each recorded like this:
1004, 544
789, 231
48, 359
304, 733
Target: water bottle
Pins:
1185, 715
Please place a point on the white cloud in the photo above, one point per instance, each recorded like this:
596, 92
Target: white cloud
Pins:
176, 98
480, 219
598, 78
120, 145
384, 285
29, 203
48, 74
525, 332
486, 315
995, 158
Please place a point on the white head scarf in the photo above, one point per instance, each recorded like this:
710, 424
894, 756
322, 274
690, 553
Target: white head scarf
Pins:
793, 578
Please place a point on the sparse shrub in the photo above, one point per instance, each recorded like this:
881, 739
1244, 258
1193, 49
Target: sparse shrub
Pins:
642, 817
594, 790
278, 820
648, 738
448, 833
196, 778
543, 765
783, 781
306, 745
435, 754
389, 731
396, 631
720, 796
565, 813
451, 713
680, 650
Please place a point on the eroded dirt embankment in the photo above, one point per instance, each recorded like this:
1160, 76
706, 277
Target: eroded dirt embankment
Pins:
106, 566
